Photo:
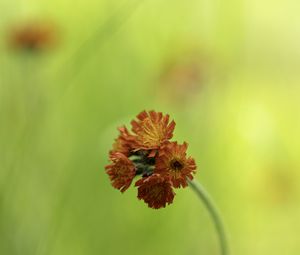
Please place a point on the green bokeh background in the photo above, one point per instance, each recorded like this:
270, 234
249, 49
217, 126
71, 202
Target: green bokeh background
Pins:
59, 110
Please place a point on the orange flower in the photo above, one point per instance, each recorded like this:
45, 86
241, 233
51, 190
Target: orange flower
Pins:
184, 76
34, 36
121, 172
124, 142
155, 190
174, 164
147, 153
152, 130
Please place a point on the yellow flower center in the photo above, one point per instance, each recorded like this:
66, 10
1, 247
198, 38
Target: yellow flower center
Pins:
152, 133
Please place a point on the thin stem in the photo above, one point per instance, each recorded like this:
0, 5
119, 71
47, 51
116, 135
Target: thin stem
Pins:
214, 213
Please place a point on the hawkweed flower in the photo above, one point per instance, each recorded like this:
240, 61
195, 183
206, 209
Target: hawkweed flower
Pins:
147, 152
175, 165
121, 171
161, 165
155, 190
124, 142
152, 130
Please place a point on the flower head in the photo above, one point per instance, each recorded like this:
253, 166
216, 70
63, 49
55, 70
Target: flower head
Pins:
121, 171
173, 163
148, 153
152, 130
155, 190
124, 142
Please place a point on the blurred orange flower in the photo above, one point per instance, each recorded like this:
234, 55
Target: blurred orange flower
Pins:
33, 36
184, 76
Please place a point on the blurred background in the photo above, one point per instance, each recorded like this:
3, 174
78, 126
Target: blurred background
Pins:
72, 71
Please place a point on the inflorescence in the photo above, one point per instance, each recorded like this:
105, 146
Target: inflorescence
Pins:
147, 152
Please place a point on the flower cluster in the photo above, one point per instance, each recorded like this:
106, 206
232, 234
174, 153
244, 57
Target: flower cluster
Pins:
147, 151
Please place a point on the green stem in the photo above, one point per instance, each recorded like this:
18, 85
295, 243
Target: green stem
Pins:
214, 213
